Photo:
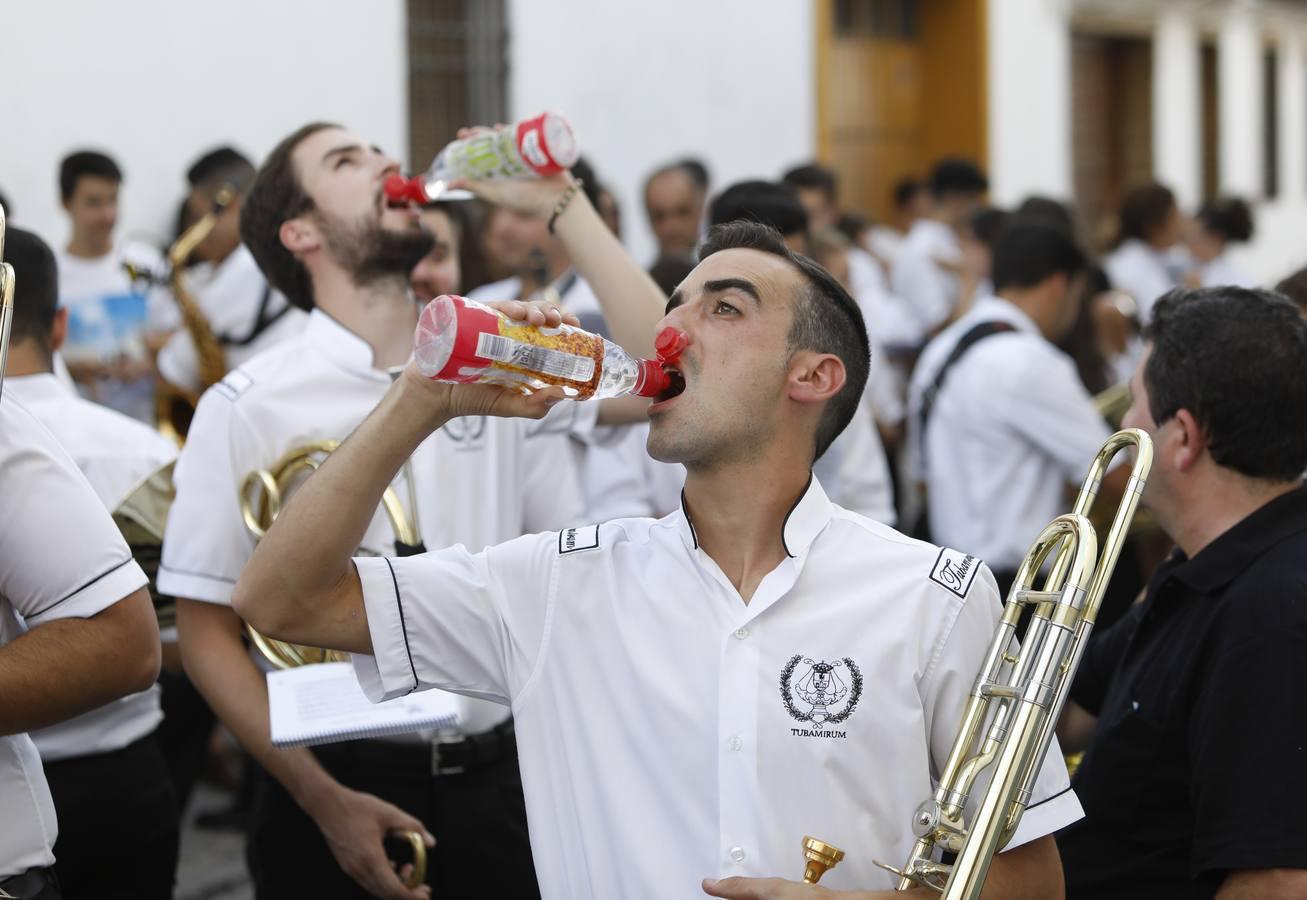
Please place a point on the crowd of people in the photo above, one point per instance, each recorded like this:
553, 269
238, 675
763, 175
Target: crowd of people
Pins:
869, 424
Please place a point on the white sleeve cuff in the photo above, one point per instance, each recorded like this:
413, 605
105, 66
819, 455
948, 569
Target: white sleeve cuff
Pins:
1047, 816
95, 596
389, 672
195, 585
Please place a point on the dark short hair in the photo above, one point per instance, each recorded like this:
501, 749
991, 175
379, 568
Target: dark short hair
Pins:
953, 175
904, 190
826, 319
1228, 217
1237, 360
812, 176
589, 180
1295, 288
690, 168
36, 286
1026, 253
85, 163
275, 197
669, 270
763, 202
1144, 210
697, 171
852, 225
1047, 211
222, 165
988, 223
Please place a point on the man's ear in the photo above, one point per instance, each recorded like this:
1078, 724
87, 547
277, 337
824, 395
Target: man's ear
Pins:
299, 235
1190, 441
59, 331
816, 377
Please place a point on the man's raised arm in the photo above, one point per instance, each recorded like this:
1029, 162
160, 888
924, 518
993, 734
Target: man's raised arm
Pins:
300, 585
631, 302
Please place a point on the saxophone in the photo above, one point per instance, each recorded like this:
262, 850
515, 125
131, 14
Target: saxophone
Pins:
174, 406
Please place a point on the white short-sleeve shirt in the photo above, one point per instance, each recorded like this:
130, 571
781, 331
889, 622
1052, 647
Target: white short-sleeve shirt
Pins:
62, 557
670, 732
479, 481
234, 297
928, 291
115, 453
1142, 272
1012, 426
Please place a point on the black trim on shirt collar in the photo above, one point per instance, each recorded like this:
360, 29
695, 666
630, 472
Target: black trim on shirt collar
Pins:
694, 535
685, 510
785, 524
1227, 557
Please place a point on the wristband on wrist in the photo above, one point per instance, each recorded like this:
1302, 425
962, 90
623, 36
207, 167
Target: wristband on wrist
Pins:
572, 190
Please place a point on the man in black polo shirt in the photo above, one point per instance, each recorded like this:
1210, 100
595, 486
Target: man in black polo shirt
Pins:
1196, 777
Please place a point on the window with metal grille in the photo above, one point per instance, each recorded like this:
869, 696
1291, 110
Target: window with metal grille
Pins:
889, 19
457, 70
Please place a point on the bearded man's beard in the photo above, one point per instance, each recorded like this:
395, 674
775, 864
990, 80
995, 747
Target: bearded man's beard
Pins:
371, 253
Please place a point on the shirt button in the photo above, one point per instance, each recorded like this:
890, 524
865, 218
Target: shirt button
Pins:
735, 743
742, 633
737, 854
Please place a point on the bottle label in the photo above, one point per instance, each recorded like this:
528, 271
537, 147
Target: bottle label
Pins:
534, 358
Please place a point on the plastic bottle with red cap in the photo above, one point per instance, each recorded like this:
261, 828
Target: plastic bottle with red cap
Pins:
463, 342
533, 148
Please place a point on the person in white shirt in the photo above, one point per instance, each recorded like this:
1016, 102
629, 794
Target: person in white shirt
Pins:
999, 421
316, 220
854, 470
1143, 263
617, 477
246, 314
675, 196
925, 275
643, 658
128, 822
77, 632
911, 202
1218, 224
115, 324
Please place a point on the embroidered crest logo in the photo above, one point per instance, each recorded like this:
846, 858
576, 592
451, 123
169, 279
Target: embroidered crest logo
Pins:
829, 690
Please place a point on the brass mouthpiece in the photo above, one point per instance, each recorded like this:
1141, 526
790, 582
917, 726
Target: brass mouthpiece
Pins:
820, 857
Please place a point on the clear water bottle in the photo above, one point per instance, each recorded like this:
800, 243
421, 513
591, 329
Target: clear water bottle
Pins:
533, 148
461, 341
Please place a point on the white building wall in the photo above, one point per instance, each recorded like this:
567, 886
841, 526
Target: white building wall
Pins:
730, 81
1029, 99
157, 82
1177, 113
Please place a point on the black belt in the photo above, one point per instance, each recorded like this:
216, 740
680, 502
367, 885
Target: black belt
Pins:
34, 884
455, 756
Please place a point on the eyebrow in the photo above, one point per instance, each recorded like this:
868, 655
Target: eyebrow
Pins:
674, 301
340, 151
733, 284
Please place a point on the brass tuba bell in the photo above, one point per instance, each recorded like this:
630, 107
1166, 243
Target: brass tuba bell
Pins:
263, 493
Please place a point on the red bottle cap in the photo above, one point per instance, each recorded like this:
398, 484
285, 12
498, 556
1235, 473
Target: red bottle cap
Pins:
397, 188
670, 344
653, 380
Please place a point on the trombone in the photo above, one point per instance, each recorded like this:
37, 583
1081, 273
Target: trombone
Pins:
6, 303
1009, 719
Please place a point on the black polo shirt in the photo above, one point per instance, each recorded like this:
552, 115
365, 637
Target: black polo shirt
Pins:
1198, 765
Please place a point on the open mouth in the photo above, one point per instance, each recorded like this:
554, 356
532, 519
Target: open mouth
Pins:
675, 388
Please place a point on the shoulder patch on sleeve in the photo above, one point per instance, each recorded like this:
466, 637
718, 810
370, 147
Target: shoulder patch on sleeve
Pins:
574, 540
234, 384
955, 570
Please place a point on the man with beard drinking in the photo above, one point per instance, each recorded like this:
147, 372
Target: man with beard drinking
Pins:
317, 224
